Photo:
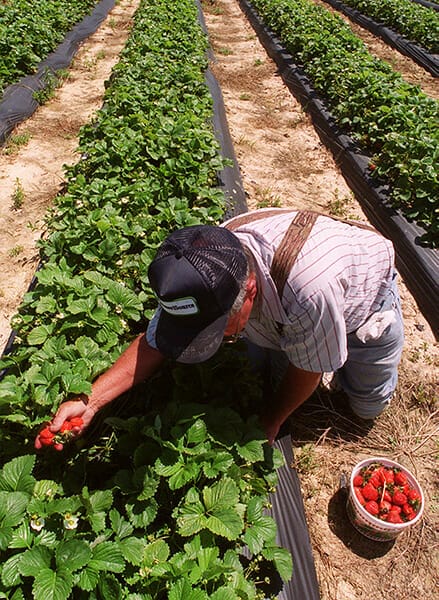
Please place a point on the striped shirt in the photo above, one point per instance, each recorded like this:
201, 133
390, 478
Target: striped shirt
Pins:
340, 277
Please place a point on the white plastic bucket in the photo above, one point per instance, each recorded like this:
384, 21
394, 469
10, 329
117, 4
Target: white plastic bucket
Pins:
373, 527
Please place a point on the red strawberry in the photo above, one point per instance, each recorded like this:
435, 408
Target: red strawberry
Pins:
387, 496
414, 498
358, 480
359, 495
375, 479
399, 498
46, 437
395, 508
394, 517
411, 515
372, 507
384, 506
400, 478
66, 426
370, 492
389, 476
407, 509
76, 422
414, 495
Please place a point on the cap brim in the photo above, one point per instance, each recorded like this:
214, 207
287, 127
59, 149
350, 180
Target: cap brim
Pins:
182, 343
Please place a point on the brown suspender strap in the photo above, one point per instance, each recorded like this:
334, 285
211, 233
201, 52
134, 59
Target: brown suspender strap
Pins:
291, 244
293, 240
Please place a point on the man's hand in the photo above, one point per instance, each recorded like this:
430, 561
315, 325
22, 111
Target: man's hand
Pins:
72, 410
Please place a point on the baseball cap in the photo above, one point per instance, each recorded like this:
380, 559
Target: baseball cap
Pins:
196, 275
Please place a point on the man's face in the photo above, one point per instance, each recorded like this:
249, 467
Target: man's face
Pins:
238, 321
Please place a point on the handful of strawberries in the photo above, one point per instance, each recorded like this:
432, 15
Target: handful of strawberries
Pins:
65, 434
386, 493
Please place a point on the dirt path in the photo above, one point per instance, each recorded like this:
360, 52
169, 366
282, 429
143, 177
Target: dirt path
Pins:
283, 163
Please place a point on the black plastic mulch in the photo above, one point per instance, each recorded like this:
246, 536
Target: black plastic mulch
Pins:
18, 102
430, 62
418, 265
427, 4
289, 513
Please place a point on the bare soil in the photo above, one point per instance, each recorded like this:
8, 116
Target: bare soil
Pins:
283, 163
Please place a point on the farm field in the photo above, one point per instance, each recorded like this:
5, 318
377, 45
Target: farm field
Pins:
283, 163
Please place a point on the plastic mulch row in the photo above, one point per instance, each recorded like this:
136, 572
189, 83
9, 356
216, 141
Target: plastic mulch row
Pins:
430, 62
418, 265
18, 102
427, 4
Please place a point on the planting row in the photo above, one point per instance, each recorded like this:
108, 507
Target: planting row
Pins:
29, 31
166, 505
414, 21
149, 165
390, 120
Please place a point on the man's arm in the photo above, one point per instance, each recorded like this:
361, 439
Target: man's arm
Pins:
296, 386
137, 363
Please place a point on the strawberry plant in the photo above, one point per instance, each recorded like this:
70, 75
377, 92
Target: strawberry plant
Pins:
29, 31
184, 516
391, 120
415, 22
149, 164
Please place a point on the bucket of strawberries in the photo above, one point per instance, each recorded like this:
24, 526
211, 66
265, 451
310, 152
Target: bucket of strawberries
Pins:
384, 499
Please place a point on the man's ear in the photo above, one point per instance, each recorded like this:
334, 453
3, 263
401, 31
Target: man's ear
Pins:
251, 286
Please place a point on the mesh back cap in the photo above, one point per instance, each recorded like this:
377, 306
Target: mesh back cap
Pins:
196, 275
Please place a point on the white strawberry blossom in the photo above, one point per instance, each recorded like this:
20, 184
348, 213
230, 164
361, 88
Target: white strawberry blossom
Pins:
37, 523
70, 521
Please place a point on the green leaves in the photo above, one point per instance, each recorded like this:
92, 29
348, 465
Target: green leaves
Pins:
392, 121
218, 510
52, 585
17, 475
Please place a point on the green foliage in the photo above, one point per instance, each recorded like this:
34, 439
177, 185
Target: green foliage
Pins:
30, 30
392, 121
166, 524
414, 21
150, 164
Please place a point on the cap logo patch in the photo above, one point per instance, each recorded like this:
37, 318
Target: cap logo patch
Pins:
180, 307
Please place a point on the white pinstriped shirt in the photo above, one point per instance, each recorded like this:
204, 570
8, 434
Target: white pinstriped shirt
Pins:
340, 277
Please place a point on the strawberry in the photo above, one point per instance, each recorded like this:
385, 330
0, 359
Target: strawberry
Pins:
46, 437
359, 495
395, 508
370, 492
76, 422
394, 517
375, 479
407, 509
413, 495
389, 476
358, 481
66, 426
400, 478
399, 498
414, 499
372, 507
387, 496
384, 506
411, 515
